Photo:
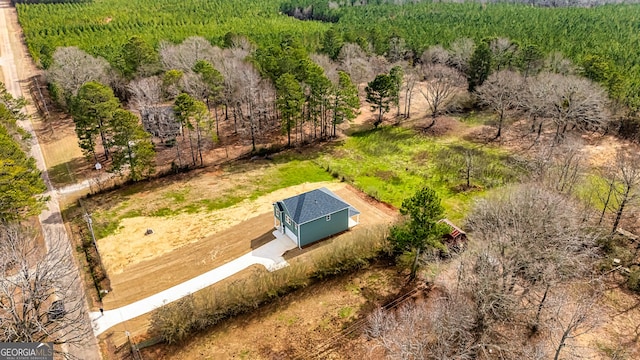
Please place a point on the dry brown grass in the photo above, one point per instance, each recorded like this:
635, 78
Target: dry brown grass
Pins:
171, 260
296, 323
129, 246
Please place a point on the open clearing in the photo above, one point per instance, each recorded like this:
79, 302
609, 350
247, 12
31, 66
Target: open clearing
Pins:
297, 323
186, 245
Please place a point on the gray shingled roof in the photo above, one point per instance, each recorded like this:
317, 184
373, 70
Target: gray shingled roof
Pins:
314, 204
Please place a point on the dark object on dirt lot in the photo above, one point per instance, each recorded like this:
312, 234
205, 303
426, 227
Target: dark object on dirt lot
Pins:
148, 232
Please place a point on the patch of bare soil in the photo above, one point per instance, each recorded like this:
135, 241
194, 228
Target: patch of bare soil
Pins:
185, 246
444, 125
481, 134
620, 331
298, 324
419, 114
129, 245
598, 150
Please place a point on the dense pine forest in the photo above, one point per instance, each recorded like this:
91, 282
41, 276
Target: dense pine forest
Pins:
601, 36
523, 120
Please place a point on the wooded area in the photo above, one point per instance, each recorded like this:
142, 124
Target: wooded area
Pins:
202, 75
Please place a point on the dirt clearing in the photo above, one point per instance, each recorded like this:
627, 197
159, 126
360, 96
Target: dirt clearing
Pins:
297, 324
188, 245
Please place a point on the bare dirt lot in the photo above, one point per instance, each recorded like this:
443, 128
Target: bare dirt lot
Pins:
187, 245
297, 325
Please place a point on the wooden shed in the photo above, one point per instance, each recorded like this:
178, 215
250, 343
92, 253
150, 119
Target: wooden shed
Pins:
456, 239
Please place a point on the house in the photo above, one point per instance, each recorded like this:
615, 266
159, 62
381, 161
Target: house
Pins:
456, 238
161, 122
313, 216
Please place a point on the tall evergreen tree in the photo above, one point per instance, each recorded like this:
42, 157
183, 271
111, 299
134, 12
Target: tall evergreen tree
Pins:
212, 78
346, 101
289, 102
479, 66
332, 43
191, 113
421, 229
397, 74
380, 95
92, 110
132, 146
136, 55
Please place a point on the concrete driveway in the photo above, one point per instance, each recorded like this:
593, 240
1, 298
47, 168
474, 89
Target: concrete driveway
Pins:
268, 255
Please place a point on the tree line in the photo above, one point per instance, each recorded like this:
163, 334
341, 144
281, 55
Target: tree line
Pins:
20, 183
589, 37
40, 300
533, 33
596, 38
194, 87
253, 91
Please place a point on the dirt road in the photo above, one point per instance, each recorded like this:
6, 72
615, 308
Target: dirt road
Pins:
17, 68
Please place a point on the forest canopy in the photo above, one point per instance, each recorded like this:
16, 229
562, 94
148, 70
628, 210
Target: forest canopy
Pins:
605, 33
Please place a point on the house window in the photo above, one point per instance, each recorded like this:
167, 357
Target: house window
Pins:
287, 219
328, 217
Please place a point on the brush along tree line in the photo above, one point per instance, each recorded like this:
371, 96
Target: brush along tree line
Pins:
40, 295
306, 96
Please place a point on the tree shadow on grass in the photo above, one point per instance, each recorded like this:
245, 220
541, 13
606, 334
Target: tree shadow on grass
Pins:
71, 172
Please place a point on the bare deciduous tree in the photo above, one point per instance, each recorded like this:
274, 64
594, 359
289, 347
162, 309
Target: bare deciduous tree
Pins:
40, 296
185, 55
533, 100
500, 92
460, 53
573, 318
576, 102
146, 92
440, 86
627, 183
564, 165
537, 238
72, 67
355, 62
435, 55
441, 331
410, 80
329, 66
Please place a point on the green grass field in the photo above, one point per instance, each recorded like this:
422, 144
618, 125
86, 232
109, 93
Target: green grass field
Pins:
172, 196
389, 164
392, 163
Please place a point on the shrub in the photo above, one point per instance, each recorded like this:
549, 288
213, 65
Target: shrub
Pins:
176, 321
633, 282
